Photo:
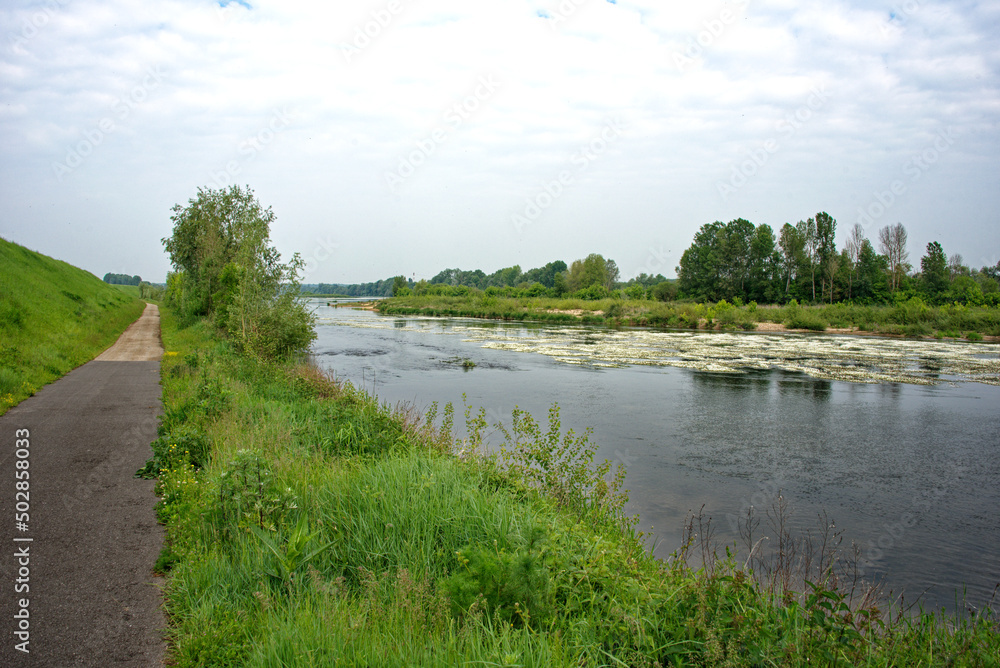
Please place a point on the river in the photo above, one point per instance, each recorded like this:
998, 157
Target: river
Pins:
896, 441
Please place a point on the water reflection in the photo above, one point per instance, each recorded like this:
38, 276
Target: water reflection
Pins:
793, 383
758, 380
771, 417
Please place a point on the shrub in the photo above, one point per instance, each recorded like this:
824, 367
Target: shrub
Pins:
512, 585
918, 330
592, 293
801, 319
184, 445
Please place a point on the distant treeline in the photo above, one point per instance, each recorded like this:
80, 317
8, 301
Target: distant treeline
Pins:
121, 279
381, 288
740, 261
592, 277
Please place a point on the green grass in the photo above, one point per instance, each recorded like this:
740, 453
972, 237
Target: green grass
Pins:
131, 290
909, 318
308, 525
53, 318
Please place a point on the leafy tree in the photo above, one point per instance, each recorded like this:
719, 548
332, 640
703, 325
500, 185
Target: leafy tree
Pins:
826, 252
508, 276
871, 285
734, 257
956, 267
991, 272
792, 245
664, 291
447, 277
635, 291
699, 267
810, 238
934, 272
592, 270
730, 261
965, 290
560, 284
226, 268
611, 274
763, 265
892, 244
646, 280
854, 243
399, 286
121, 279
209, 233
545, 275
473, 279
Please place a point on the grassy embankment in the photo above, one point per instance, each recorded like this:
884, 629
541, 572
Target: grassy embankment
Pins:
310, 526
911, 318
53, 318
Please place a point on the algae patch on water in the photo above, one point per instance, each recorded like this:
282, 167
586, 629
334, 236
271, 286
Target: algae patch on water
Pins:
857, 359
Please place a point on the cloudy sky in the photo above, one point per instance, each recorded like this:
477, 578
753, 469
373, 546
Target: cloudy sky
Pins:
406, 136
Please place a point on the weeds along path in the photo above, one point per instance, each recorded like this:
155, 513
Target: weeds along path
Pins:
78, 533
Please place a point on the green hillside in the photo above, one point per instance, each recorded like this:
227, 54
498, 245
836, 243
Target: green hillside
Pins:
53, 318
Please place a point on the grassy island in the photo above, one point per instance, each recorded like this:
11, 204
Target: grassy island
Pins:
912, 317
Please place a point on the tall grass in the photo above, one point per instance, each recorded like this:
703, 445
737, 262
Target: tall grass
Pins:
308, 525
53, 318
909, 318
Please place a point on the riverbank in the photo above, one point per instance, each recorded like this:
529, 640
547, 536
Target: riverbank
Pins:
908, 319
309, 525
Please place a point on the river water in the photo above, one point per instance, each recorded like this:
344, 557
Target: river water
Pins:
897, 442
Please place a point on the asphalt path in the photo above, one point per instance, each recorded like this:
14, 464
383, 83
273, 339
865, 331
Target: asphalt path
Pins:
78, 533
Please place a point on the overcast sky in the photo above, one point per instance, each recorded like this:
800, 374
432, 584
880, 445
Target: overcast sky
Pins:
407, 136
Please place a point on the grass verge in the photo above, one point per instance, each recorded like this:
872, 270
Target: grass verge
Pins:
309, 525
53, 318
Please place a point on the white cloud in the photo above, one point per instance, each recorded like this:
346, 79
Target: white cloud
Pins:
702, 87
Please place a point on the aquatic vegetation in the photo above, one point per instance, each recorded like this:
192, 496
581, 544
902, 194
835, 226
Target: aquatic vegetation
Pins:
857, 359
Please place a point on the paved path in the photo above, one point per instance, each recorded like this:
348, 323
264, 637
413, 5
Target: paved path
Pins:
86, 572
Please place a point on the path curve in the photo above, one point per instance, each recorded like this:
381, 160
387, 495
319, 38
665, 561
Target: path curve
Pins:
84, 564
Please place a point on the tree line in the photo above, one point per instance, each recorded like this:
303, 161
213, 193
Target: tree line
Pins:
738, 262
121, 279
742, 261
592, 277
